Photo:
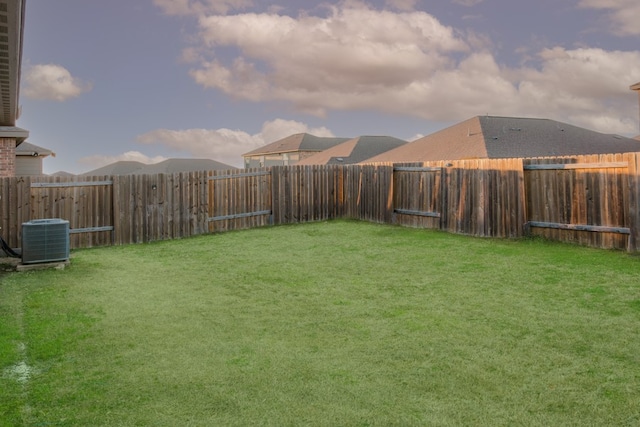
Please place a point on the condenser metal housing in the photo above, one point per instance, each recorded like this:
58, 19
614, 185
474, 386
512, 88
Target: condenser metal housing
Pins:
45, 240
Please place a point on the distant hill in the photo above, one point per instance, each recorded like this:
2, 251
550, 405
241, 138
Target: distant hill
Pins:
123, 167
166, 166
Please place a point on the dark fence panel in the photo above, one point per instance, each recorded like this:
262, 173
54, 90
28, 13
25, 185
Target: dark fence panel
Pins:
308, 193
15, 206
369, 194
418, 197
239, 199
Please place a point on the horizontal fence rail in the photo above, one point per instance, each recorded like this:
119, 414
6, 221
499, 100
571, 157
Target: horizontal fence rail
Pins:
590, 200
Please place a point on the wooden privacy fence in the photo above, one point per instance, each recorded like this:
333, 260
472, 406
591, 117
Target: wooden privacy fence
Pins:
477, 197
590, 200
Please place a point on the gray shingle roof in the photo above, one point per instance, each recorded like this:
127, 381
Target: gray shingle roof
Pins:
297, 142
28, 149
518, 137
506, 137
354, 150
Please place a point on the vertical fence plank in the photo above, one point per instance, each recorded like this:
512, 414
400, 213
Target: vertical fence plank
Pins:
633, 209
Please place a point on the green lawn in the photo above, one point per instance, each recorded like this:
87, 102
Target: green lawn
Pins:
326, 324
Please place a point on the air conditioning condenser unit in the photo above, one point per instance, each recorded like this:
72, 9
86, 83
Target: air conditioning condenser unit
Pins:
45, 240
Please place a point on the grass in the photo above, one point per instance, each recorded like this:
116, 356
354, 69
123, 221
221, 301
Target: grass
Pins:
340, 323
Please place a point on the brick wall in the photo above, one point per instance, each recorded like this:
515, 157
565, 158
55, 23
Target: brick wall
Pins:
7, 157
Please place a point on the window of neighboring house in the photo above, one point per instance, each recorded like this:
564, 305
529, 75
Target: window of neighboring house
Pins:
273, 160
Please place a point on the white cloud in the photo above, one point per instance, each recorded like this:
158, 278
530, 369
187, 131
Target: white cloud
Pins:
623, 14
354, 57
324, 62
52, 82
587, 87
226, 145
97, 161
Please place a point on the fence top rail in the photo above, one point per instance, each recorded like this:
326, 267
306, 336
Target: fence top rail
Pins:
417, 168
70, 184
553, 166
239, 175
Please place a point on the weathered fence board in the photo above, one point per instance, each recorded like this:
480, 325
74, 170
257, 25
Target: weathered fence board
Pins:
239, 199
485, 197
85, 202
633, 202
418, 196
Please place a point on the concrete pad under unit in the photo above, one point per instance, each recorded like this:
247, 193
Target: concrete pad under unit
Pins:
58, 265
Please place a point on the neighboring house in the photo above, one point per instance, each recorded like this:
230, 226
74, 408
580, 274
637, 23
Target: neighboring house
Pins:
354, 151
492, 137
168, 166
289, 150
29, 159
12, 17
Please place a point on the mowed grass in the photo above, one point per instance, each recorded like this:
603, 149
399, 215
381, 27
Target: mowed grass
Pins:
326, 324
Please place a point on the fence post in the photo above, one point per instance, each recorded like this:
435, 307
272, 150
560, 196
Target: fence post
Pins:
115, 206
276, 176
633, 244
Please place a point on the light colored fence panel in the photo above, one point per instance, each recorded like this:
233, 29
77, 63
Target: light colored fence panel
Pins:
581, 199
633, 202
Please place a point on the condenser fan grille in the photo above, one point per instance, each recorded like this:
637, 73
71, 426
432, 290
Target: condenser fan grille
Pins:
45, 240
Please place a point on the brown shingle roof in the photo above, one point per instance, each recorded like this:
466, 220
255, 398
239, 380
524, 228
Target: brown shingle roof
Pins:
506, 137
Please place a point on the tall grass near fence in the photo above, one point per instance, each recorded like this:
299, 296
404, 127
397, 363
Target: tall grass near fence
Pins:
338, 323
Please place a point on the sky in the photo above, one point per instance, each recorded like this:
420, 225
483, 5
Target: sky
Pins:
149, 80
